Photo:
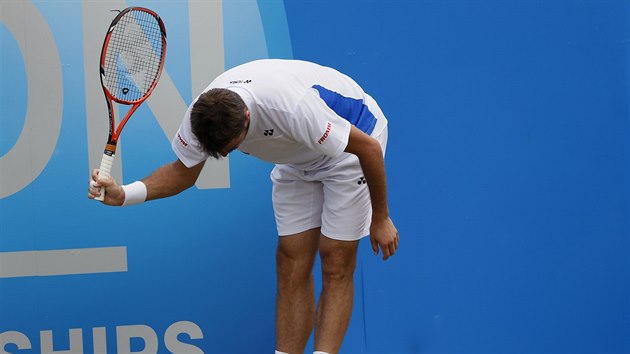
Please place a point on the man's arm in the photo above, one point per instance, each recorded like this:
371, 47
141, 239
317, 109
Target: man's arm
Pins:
383, 233
166, 181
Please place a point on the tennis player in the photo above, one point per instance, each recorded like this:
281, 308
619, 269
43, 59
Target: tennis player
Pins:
327, 139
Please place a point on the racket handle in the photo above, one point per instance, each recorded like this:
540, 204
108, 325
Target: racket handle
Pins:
104, 171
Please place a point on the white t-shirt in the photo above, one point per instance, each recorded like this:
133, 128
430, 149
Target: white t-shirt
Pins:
300, 113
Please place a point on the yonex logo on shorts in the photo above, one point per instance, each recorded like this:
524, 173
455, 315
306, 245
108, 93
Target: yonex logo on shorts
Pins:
326, 133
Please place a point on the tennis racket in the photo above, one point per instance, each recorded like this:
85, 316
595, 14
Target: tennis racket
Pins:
132, 59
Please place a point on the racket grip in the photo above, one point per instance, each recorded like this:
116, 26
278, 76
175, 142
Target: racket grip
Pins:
104, 171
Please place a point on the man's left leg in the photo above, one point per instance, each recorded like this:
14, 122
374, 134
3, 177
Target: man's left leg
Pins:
338, 259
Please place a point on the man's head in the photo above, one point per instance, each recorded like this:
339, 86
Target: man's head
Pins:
219, 120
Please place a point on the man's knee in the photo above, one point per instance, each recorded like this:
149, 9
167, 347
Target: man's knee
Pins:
338, 258
292, 266
296, 255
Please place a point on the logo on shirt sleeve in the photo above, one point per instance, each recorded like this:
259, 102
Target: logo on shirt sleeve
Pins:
326, 133
181, 140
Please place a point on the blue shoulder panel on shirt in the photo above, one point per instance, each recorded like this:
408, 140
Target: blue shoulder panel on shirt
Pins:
351, 109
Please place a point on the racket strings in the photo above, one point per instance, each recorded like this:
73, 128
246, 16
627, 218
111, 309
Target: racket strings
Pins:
133, 56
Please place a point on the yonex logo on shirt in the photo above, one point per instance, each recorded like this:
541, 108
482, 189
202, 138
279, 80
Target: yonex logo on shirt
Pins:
268, 132
326, 133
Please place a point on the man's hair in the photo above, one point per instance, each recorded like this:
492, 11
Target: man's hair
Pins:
217, 118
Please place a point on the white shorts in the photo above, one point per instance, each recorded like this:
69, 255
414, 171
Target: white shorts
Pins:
336, 199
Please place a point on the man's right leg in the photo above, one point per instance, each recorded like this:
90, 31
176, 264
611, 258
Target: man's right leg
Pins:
295, 307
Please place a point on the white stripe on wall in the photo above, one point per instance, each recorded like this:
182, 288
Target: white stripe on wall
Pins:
63, 262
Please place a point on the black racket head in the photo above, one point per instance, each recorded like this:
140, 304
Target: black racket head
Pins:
133, 55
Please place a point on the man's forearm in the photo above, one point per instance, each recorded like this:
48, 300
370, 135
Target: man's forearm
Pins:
370, 155
373, 167
171, 179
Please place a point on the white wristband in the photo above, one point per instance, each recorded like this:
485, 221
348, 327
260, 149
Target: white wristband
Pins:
135, 193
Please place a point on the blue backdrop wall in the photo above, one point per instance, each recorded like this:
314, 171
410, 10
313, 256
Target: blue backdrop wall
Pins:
508, 168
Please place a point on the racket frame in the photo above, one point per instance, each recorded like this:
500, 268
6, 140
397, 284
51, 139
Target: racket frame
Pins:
115, 130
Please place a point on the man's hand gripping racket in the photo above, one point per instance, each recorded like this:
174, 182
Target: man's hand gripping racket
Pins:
132, 59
